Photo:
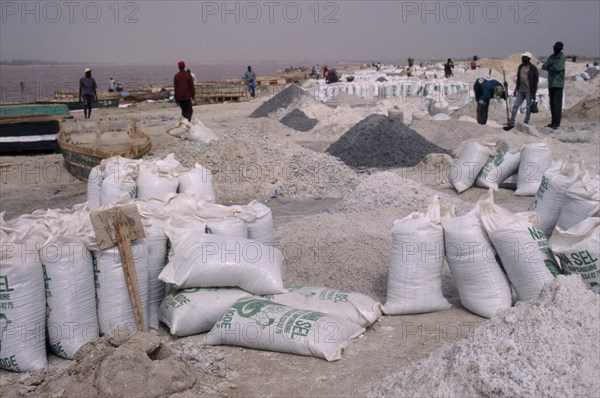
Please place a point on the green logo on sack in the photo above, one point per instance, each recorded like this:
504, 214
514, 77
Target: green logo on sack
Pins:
4, 322
253, 309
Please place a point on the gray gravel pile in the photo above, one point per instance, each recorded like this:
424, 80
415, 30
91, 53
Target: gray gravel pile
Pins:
387, 189
380, 142
298, 121
549, 347
281, 100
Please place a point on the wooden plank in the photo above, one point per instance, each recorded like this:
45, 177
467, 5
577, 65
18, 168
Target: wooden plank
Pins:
124, 237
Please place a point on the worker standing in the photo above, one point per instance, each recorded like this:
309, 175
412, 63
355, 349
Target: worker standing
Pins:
555, 65
250, 79
183, 83
448, 66
87, 92
526, 89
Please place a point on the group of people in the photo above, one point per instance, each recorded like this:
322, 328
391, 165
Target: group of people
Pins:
329, 74
526, 88
485, 88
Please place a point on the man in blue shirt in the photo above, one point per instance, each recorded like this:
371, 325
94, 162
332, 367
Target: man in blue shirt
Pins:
486, 89
250, 79
87, 92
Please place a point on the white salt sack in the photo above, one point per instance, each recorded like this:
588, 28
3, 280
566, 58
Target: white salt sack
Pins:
356, 307
196, 310
258, 219
204, 260
498, 169
198, 182
536, 158
583, 200
578, 249
72, 319
552, 193
93, 187
154, 221
200, 133
464, 171
266, 325
416, 264
115, 309
22, 305
522, 248
158, 179
482, 285
181, 129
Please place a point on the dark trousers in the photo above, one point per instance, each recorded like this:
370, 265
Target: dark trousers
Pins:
556, 95
186, 109
482, 113
88, 100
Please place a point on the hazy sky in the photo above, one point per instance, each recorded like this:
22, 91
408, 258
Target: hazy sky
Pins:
162, 32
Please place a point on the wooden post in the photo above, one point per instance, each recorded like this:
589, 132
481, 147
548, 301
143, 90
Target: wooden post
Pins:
124, 237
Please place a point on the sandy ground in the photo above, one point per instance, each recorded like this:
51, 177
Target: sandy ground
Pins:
29, 183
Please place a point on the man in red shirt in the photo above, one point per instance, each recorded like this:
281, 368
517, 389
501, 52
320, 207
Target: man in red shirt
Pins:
185, 91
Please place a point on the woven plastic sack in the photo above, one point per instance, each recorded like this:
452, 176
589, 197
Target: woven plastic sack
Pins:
115, 309
583, 201
535, 160
198, 182
578, 249
522, 248
416, 264
196, 310
552, 193
356, 307
267, 325
158, 179
482, 285
498, 169
154, 220
464, 171
22, 306
201, 260
182, 128
72, 320
200, 133
261, 227
93, 187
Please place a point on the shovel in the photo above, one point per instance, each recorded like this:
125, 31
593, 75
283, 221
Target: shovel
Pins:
119, 225
507, 126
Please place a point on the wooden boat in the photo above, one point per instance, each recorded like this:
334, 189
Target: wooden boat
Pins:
141, 96
73, 103
30, 127
85, 143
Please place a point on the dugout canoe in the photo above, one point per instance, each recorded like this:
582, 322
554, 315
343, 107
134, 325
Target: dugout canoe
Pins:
85, 143
30, 127
76, 105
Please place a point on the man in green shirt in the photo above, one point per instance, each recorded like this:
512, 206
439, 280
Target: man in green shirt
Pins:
555, 65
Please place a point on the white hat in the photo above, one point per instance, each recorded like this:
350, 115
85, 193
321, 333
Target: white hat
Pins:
87, 70
527, 54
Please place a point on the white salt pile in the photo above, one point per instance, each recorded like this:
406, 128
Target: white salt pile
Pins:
388, 189
248, 164
548, 347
